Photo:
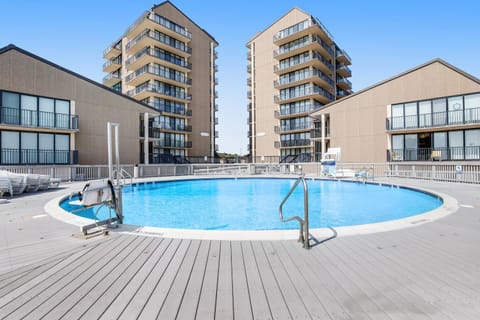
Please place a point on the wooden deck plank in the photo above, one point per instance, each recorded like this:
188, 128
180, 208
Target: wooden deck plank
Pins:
97, 284
66, 296
404, 300
173, 296
140, 298
208, 294
35, 294
258, 298
311, 302
190, 300
133, 281
224, 302
241, 296
327, 288
404, 266
275, 298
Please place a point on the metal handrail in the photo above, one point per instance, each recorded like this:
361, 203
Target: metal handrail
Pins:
304, 231
122, 174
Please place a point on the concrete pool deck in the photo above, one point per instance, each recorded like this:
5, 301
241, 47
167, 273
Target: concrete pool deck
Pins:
428, 271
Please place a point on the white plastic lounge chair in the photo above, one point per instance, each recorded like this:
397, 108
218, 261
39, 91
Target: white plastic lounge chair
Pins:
33, 182
5, 186
18, 181
44, 182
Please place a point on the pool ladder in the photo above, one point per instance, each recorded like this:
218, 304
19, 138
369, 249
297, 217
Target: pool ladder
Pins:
304, 231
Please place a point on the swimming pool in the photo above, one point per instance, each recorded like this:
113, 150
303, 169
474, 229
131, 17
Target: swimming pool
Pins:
252, 204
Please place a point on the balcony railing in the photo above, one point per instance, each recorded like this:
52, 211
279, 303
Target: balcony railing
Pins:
38, 156
304, 108
178, 77
317, 132
431, 154
116, 61
343, 53
156, 89
302, 93
300, 27
180, 110
169, 25
435, 119
295, 143
38, 119
344, 68
293, 127
345, 80
309, 40
312, 56
172, 127
305, 75
160, 55
156, 36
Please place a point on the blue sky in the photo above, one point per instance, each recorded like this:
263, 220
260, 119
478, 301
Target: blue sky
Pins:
383, 38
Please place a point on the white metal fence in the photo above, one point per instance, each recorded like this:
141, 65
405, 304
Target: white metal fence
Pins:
455, 172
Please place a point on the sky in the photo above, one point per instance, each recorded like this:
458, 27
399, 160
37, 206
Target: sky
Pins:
383, 38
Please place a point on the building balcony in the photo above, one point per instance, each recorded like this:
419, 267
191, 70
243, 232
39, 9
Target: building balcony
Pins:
312, 76
314, 59
344, 71
216, 121
112, 65
343, 93
249, 94
297, 111
432, 154
344, 84
111, 79
435, 120
150, 55
313, 92
151, 20
307, 27
249, 68
151, 73
249, 81
217, 108
249, 107
295, 128
313, 43
13, 117
316, 133
11, 156
343, 57
113, 51
217, 135
295, 143
167, 127
170, 110
172, 144
150, 38
144, 91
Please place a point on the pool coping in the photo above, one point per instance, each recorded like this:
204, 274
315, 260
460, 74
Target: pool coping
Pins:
449, 206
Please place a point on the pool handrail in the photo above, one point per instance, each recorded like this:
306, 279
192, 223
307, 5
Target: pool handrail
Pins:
304, 230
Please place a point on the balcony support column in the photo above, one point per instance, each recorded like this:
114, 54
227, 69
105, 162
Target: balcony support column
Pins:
323, 134
145, 140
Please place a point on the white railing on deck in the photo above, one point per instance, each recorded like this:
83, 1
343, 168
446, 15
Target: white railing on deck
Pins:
468, 172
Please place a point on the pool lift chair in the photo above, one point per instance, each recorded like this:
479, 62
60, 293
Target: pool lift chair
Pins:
95, 195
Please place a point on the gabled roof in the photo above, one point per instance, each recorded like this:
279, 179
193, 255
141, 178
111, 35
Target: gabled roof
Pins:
56, 66
168, 2
436, 60
286, 14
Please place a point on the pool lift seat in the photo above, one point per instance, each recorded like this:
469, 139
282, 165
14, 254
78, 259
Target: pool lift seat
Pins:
98, 193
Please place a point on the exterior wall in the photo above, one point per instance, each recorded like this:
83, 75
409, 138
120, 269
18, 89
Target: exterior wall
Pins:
263, 101
94, 105
357, 123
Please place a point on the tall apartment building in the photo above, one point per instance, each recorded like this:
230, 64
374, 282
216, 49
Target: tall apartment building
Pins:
294, 67
167, 61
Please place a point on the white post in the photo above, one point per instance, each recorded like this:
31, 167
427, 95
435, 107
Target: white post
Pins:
117, 153
323, 134
109, 147
145, 140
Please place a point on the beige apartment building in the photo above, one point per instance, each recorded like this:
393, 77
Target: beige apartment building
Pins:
52, 116
294, 67
428, 113
167, 61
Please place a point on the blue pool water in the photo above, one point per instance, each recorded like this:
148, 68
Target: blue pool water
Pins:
252, 204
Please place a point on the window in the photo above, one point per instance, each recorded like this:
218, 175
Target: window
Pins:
425, 114
62, 148
472, 144
46, 148
411, 147
10, 147
28, 106
455, 143
29, 149
455, 110
440, 144
439, 112
411, 115
472, 108
46, 108
62, 115
397, 116
10, 108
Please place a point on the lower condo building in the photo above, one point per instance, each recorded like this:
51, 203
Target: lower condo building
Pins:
52, 116
429, 113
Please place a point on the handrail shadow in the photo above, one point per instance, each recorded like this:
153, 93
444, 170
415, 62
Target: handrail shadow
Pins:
317, 242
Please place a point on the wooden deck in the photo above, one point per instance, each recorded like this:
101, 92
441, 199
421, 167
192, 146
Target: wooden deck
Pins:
425, 272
